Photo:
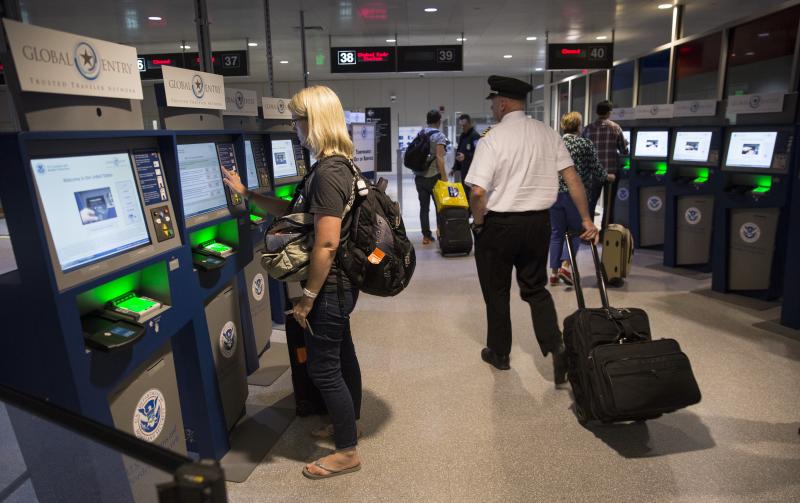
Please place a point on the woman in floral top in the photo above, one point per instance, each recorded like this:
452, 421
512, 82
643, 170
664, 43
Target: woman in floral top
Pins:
563, 214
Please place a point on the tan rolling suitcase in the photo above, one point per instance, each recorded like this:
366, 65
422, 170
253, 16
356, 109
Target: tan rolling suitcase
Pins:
617, 253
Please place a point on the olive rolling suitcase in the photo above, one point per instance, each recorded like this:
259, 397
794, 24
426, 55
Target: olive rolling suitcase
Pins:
452, 218
616, 370
307, 397
617, 253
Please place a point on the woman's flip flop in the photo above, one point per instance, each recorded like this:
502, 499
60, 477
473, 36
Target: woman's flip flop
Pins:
331, 473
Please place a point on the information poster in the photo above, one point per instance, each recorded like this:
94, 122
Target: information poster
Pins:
381, 117
364, 144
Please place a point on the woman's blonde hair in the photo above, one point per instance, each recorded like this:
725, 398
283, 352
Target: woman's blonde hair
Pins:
327, 130
571, 122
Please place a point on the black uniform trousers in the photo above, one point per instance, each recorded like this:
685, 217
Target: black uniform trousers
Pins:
521, 241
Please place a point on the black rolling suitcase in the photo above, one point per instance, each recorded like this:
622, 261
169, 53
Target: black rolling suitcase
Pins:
617, 372
453, 231
307, 397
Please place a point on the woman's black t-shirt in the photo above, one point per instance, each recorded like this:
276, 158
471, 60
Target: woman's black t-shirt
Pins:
327, 190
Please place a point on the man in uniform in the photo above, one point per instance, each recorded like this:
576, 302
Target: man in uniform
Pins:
514, 180
467, 141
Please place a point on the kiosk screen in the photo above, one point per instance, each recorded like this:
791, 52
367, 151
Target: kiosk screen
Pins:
626, 133
652, 144
283, 161
92, 207
250, 160
692, 146
751, 149
201, 180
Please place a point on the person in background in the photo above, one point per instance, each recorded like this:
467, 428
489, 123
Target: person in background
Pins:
514, 179
564, 216
328, 298
426, 180
467, 141
607, 137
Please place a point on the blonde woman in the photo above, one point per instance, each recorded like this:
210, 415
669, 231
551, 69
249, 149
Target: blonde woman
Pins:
328, 298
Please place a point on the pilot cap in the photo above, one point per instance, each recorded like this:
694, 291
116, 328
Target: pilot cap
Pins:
508, 87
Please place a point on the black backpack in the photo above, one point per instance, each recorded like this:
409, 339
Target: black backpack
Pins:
377, 257
418, 152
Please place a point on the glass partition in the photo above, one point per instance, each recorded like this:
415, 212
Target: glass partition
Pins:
597, 92
760, 54
563, 101
579, 96
653, 78
48, 453
622, 85
697, 68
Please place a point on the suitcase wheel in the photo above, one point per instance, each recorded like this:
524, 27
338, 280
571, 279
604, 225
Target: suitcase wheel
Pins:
583, 418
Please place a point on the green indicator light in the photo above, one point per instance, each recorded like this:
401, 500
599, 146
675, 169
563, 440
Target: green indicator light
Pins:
203, 235
700, 179
764, 181
661, 168
320, 59
135, 304
761, 190
285, 192
255, 218
627, 165
218, 247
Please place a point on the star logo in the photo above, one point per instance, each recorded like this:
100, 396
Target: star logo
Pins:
198, 86
239, 100
87, 62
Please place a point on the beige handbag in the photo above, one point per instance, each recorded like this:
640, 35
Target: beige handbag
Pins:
288, 244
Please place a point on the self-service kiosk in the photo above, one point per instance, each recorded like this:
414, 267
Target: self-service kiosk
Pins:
622, 198
790, 314
647, 189
215, 224
752, 211
692, 180
288, 169
98, 299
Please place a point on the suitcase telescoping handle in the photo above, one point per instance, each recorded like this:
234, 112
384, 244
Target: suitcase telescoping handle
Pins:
576, 276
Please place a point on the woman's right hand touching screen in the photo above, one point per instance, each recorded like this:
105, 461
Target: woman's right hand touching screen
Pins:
233, 181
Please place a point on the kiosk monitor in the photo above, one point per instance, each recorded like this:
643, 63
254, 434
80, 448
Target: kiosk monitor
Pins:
92, 206
692, 146
651, 144
751, 149
626, 133
284, 164
201, 180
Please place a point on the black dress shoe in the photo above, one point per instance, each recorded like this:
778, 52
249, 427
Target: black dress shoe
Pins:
560, 365
492, 358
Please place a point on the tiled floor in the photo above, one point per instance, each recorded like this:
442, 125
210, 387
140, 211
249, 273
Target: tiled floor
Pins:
440, 425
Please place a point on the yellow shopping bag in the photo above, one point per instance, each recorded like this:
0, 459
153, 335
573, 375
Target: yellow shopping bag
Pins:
449, 195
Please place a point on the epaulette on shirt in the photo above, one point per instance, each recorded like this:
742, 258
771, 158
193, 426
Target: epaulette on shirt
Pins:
486, 131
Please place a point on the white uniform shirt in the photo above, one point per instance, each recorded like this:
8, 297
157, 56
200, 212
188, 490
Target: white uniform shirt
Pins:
517, 163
